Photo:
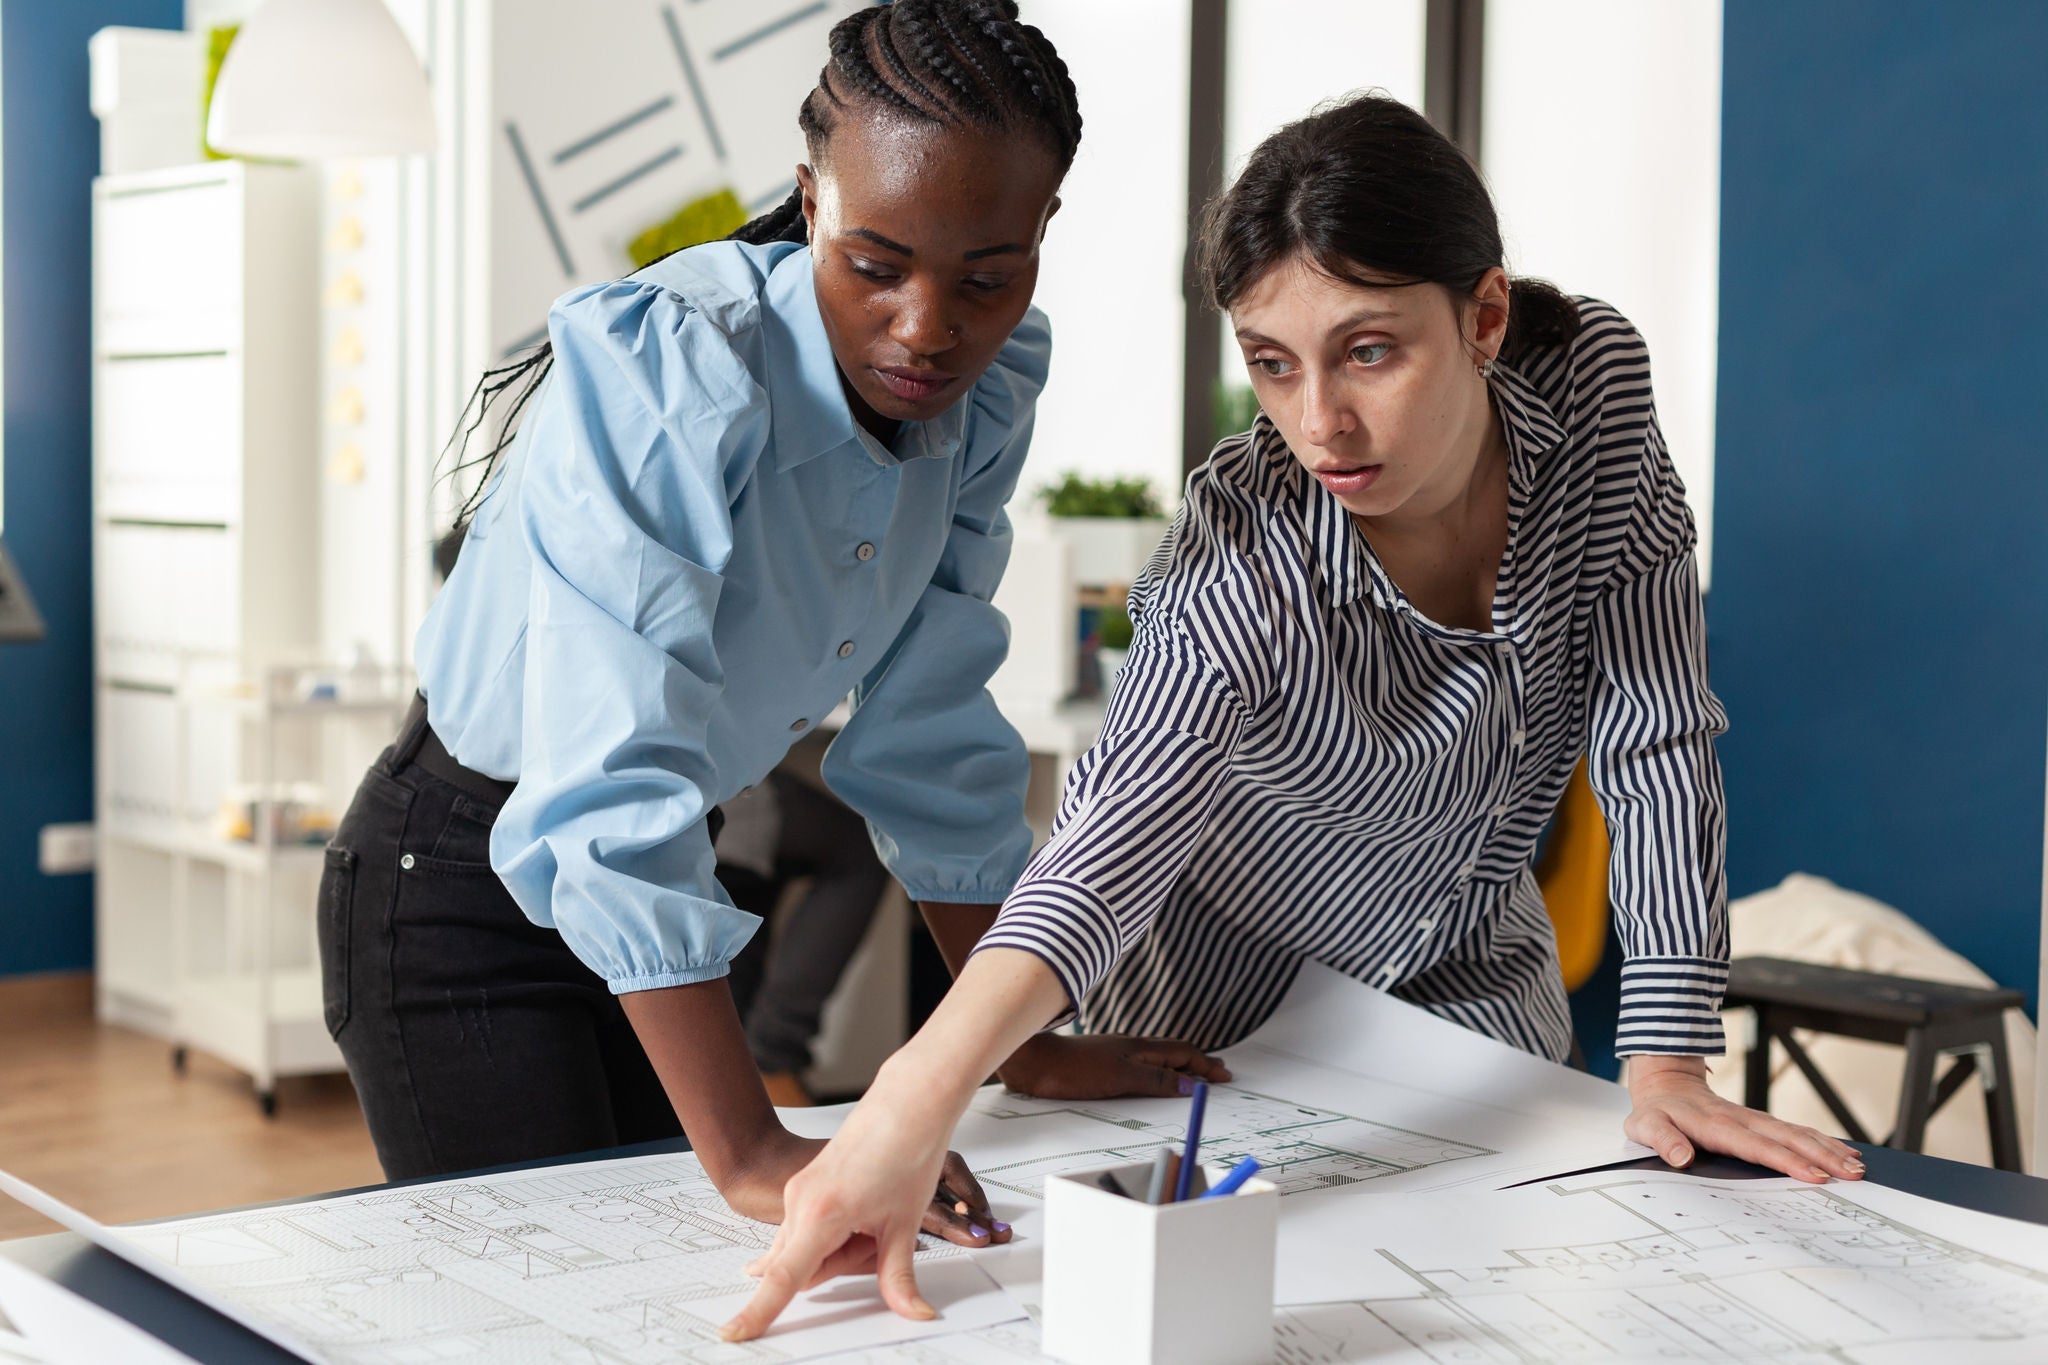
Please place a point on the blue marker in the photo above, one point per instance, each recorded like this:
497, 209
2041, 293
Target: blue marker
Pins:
1241, 1172
1185, 1182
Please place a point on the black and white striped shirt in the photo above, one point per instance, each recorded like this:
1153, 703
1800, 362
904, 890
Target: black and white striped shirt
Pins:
1298, 764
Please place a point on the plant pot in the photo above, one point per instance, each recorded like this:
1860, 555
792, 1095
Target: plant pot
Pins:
1110, 549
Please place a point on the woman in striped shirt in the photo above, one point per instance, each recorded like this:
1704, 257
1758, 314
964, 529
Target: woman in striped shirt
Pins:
1451, 557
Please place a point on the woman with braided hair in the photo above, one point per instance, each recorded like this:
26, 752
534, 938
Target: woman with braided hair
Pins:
757, 476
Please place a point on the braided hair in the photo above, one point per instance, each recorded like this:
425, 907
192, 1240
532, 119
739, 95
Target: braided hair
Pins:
946, 63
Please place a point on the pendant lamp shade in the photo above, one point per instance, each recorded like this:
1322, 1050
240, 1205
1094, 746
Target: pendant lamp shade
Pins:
306, 79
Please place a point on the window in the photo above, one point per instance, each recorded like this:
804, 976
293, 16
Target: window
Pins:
1601, 139
1110, 274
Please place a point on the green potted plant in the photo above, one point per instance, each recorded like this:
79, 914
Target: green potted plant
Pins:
1112, 525
1112, 645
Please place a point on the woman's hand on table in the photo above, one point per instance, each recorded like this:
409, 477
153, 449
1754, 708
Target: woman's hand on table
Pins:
1101, 1066
858, 1207
1676, 1113
958, 1212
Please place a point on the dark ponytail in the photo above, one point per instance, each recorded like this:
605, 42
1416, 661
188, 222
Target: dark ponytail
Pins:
948, 62
1372, 194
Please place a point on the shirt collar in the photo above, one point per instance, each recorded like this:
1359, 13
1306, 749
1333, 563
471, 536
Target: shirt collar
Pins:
1531, 431
1531, 428
809, 414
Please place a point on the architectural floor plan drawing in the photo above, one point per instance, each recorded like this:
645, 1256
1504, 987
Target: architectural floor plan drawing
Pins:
1647, 1268
626, 1262
1299, 1147
1666, 1267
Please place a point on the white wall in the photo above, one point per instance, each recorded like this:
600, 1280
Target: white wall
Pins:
1110, 277
1602, 143
1275, 77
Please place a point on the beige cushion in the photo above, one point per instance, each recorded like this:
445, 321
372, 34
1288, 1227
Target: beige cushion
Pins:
1810, 919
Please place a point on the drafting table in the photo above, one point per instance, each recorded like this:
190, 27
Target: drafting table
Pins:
205, 1335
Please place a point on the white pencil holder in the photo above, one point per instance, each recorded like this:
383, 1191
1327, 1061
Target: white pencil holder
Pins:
1128, 1282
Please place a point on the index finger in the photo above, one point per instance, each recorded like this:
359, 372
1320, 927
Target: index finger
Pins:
784, 1274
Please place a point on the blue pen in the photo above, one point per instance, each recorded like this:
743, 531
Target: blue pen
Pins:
1241, 1172
1185, 1182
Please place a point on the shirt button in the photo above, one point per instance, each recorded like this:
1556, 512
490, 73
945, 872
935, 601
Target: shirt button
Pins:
406, 862
1424, 925
1501, 809
1516, 739
846, 650
1465, 872
865, 552
799, 725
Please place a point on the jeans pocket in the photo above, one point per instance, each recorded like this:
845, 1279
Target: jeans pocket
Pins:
336, 913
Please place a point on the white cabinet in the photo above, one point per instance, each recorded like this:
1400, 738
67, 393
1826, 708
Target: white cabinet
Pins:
205, 464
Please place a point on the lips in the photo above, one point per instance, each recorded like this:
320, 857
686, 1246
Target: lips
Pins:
1346, 482
915, 386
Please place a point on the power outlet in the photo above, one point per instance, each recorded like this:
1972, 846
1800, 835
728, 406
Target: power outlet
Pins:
66, 849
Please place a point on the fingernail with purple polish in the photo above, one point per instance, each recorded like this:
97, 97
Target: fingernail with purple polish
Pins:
1187, 1085
978, 1232
1002, 1227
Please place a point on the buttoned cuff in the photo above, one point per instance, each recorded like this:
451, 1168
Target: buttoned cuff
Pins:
1671, 1005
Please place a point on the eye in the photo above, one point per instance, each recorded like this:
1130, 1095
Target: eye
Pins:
870, 270
1372, 353
986, 284
1273, 366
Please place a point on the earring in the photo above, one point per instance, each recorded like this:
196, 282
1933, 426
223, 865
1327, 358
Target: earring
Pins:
1485, 368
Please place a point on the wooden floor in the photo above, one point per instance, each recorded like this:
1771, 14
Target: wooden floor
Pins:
95, 1115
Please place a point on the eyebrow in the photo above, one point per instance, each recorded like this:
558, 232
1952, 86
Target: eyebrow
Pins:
1352, 323
1006, 249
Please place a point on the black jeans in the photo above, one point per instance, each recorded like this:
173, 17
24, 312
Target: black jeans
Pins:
474, 1036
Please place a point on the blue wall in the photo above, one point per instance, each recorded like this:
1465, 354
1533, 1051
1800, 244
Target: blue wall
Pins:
51, 154
1881, 482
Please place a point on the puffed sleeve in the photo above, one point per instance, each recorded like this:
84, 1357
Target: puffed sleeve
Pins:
625, 508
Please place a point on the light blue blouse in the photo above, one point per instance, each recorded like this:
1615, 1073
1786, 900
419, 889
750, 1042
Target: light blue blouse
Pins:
692, 556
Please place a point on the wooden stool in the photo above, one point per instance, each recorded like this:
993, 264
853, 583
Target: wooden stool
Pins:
1931, 1018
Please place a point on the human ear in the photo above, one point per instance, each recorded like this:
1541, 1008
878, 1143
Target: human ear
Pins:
807, 181
1492, 297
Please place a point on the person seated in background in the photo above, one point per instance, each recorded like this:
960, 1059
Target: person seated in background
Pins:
784, 829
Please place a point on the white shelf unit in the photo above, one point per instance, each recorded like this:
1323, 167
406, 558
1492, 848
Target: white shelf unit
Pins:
244, 961
205, 453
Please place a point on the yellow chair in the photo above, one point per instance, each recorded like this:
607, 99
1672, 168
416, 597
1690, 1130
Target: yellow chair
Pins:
1573, 874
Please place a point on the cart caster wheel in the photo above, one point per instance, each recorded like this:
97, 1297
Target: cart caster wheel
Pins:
179, 1059
266, 1100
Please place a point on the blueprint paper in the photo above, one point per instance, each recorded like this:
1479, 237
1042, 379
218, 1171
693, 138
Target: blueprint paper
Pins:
1625, 1267
1333, 1019
1628, 1265
627, 1262
53, 1326
1344, 1091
